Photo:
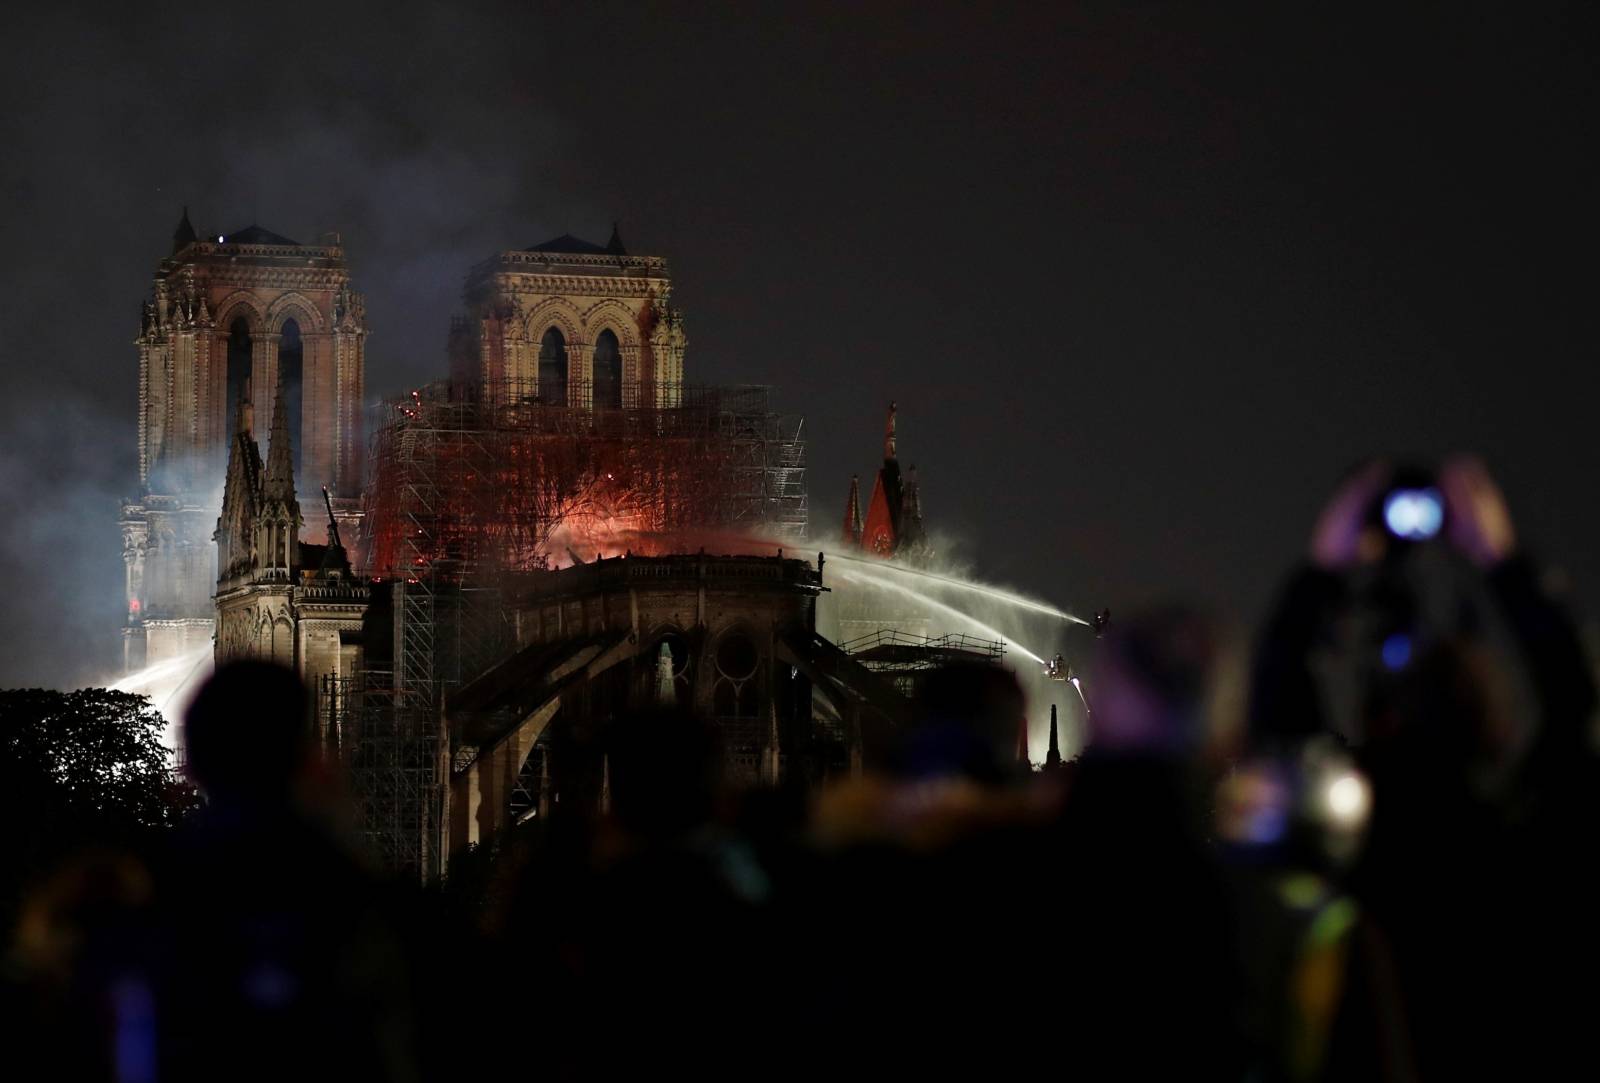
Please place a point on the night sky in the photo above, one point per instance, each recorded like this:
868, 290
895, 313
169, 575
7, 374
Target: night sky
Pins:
1144, 279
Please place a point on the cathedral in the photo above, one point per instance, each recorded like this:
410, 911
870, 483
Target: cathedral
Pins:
230, 311
518, 558
251, 331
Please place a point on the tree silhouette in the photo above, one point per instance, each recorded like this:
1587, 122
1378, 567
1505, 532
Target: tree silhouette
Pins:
84, 768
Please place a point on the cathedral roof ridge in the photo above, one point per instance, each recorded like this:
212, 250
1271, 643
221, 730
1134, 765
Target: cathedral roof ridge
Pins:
254, 234
567, 244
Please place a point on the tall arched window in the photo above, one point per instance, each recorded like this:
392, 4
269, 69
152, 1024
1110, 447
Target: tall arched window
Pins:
238, 369
607, 371
553, 368
291, 370
737, 660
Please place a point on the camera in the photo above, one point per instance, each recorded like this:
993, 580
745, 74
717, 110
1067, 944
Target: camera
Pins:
1412, 509
1414, 514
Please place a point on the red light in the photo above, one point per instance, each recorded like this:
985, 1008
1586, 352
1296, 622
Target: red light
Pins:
133, 606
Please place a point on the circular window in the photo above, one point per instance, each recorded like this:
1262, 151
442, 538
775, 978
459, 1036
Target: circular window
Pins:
736, 656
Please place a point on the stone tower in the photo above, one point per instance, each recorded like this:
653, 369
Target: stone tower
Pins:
570, 323
229, 310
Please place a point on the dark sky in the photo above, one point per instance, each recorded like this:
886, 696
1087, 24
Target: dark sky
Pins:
1143, 278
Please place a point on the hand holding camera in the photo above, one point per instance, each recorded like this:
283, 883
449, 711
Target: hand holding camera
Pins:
1381, 508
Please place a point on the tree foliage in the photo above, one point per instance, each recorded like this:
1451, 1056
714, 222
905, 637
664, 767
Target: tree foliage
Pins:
85, 767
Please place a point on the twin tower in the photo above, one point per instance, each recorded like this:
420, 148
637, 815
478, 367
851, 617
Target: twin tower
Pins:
253, 315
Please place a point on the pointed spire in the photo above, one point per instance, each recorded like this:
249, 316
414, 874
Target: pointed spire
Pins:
1023, 761
184, 235
244, 422
614, 245
910, 509
240, 492
280, 453
852, 513
888, 437
1053, 757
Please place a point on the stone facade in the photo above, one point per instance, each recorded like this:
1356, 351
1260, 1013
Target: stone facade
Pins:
730, 639
219, 312
570, 323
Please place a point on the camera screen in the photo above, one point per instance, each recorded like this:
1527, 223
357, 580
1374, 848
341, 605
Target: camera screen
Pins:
1414, 514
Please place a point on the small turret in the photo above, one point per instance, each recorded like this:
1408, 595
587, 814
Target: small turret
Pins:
852, 514
184, 235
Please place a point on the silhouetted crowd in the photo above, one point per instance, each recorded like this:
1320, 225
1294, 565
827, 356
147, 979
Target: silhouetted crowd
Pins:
1359, 856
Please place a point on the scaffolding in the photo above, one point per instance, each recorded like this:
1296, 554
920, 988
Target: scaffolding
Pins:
905, 659
482, 477
468, 486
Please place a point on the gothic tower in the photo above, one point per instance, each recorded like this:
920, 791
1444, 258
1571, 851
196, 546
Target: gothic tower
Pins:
249, 307
570, 323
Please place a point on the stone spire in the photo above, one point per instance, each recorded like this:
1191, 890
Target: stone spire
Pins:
852, 513
614, 245
235, 532
279, 484
881, 532
244, 422
1052, 759
910, 510
184, 235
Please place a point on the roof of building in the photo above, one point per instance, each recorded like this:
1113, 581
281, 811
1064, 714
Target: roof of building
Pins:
567, 244
254, 234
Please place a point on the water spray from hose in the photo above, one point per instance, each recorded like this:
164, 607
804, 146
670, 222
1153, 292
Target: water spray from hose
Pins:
854, 576
961, 584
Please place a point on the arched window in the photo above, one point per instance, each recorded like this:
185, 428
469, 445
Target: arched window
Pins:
238, 369
735, 693
291, 370
669, 678
607, 371
553, 368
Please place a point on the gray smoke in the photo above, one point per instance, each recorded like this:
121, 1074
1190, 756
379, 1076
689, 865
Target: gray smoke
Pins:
407, 129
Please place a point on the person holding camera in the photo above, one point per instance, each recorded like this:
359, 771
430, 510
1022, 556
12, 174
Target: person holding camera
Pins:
1420, 639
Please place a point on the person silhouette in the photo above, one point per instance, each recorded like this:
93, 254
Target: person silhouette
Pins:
278, 942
